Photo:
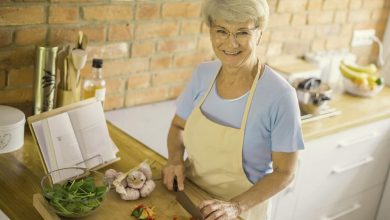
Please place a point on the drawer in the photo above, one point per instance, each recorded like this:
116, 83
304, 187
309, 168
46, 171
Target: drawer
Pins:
358, 134
344, 175
362, 206
354, 143
330, 172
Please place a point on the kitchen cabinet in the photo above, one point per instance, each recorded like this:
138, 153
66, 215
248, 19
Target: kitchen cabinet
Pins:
340, 176
283, 204
384, 209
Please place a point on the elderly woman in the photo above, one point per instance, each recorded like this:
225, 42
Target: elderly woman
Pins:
238, 121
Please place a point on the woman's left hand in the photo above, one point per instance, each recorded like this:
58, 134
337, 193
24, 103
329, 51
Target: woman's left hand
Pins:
221, 210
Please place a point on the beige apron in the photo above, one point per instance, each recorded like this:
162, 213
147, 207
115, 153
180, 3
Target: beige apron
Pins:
215, 156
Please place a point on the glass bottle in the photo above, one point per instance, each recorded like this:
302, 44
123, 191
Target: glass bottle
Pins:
96, 86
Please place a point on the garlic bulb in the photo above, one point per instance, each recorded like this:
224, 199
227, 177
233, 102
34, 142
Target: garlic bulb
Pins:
123, 182
131, 194
110, 175
136, 179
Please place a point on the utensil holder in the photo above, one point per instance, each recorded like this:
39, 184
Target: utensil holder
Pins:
44, 79
66, 97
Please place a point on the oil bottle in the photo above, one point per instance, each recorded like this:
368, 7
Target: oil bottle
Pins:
96, 86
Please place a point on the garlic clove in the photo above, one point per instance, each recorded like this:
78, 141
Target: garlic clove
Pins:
146, 170
147, 188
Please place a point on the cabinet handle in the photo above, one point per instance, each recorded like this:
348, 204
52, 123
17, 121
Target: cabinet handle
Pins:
366, 160
356, 140
355, 207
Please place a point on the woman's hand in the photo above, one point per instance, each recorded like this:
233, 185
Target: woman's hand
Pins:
221, 210
170, 171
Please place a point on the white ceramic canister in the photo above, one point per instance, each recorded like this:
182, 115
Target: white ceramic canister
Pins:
12, 122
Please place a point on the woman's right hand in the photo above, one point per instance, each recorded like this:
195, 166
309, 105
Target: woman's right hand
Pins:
169, 172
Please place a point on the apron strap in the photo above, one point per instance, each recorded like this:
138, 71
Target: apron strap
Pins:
251, 93
249, 100
216, 71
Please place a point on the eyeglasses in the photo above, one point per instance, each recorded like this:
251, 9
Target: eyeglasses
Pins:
241, 36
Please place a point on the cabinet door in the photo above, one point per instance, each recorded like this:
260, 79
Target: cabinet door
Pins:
340, 166
384, 209
283, 204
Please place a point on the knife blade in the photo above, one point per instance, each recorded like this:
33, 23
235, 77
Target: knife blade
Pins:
186, 202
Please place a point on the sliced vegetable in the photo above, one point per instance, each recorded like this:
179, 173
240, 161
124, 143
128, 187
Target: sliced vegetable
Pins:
142, 212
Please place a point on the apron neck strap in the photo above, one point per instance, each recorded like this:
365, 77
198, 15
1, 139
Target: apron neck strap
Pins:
260, 69
216, 71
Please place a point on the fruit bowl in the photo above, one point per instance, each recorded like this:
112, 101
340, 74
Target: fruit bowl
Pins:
77, 196
362, 89
360, 80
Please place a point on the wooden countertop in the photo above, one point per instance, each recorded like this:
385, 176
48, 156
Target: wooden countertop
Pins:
355, 111
21, 172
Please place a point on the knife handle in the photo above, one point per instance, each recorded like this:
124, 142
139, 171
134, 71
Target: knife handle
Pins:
175, 186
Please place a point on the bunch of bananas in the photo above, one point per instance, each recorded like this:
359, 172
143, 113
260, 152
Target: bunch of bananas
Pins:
366, 77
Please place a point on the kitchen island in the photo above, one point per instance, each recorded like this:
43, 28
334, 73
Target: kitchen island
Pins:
21, 171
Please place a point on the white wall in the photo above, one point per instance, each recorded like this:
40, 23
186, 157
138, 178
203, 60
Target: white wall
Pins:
386, 53
386, 38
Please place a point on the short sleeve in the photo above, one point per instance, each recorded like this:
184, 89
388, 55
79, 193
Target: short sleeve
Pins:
286, 131
185, 102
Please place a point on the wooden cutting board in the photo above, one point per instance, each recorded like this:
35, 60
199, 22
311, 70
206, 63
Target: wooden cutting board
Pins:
114, 207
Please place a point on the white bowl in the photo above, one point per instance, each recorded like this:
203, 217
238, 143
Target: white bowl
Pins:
12, 122
362, 91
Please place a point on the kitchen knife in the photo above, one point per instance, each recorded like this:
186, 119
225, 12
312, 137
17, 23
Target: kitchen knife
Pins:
186, 202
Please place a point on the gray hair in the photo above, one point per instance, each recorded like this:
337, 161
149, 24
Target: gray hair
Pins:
236, 11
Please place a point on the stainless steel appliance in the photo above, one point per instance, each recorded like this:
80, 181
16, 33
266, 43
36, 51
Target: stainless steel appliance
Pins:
313, 95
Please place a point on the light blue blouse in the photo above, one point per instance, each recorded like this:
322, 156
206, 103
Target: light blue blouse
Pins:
273, 121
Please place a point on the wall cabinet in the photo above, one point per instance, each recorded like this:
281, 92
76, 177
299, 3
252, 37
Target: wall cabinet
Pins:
339, 177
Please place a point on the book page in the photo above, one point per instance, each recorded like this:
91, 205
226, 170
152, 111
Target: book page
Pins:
63, 148
91, 130
40, 136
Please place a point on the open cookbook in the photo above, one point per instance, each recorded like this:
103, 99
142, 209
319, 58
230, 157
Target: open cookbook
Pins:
73, 136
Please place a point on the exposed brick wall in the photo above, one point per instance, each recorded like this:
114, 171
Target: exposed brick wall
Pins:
150, 47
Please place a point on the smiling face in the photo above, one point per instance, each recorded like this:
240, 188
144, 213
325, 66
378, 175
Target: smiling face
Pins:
234, 43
